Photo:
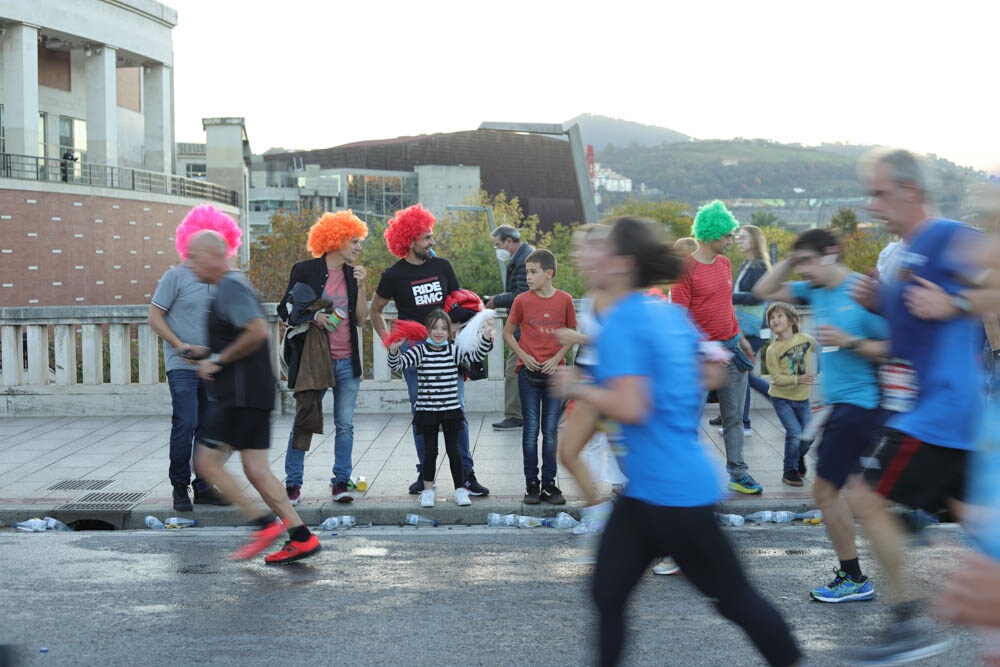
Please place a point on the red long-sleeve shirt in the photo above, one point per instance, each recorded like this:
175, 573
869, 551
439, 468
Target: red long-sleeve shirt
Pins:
706, 290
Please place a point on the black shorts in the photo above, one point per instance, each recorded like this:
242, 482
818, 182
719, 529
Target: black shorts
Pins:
850, 432
914, 473
240, 428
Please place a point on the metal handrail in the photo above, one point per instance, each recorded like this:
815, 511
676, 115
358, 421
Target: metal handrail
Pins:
56, 170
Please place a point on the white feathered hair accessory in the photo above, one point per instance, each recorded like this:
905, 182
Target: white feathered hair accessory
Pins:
467, 339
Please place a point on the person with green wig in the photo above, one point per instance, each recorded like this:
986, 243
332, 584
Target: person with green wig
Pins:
706, 289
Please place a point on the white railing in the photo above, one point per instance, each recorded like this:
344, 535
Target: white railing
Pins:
50, 354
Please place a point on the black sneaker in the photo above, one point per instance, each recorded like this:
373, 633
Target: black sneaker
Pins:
532, 496
802, 466
791, 478
473, 486
417, 486
341, 493
209, 496
717, 421
508, 424
552, 495
182, 502
904, 641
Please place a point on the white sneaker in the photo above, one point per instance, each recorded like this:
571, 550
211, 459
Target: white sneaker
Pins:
427, 498
666, 566
462, 497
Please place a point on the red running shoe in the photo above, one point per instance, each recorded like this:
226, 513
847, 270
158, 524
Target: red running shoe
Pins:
294, 551
259, 541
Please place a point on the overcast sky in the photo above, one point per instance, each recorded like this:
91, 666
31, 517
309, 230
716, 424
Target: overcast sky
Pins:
314, 73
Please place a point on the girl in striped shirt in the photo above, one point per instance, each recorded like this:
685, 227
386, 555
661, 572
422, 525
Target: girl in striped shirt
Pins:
437, 362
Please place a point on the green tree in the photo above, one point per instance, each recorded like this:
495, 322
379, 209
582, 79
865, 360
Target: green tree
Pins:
676, 215
273, 254
845, 219
765, 219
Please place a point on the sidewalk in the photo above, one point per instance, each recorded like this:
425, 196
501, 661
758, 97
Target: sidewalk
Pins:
45, 463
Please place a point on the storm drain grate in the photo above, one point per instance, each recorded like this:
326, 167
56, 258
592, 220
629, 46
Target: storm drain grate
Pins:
105, 502
81, 484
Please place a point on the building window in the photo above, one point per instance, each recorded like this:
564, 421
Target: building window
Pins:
42, 117
196, 171
3, 132
73, 137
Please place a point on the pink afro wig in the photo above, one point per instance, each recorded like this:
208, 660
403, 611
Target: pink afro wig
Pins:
407, 225
202, 217
333, 230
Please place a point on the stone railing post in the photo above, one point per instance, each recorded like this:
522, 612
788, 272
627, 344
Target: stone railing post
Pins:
38, 354
13, 355
119, 354
65, 349
149, 355
93, 354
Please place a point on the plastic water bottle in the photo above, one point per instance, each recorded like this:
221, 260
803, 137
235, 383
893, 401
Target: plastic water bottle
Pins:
731, 520
783, 517
561, 520
496, 520
55, 524
528, 522
811, 514
154, 523
35, 525
358, 483
761, 517
420, 520
180, 522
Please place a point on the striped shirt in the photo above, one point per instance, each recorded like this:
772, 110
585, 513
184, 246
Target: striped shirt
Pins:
706, 290
437, 372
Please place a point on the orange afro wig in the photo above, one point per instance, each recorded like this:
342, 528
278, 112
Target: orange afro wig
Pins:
333, 230
407, 225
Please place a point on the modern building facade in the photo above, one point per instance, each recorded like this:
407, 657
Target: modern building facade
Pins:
88, 196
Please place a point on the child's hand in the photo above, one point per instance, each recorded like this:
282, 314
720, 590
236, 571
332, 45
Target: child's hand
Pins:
394, 348
806, 379
530, 362
550, 366
487, 333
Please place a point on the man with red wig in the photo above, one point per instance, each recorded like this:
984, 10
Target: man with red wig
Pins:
335, 243
419, 283
177, 315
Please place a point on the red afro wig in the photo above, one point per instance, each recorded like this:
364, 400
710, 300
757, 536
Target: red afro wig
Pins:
333, 231
202, 217
407, 225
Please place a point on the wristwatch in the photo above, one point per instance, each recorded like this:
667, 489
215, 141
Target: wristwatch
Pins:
215, 358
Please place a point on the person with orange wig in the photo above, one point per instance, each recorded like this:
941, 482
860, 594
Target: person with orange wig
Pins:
326, 294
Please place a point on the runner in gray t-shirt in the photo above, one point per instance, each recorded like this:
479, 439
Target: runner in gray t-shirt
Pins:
179, 314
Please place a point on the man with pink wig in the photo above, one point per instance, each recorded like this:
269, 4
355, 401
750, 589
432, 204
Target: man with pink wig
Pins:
419, 283
178, 315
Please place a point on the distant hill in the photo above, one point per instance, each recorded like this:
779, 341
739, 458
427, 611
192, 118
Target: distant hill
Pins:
601, 132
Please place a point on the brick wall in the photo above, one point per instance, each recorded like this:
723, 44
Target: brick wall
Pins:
65, 249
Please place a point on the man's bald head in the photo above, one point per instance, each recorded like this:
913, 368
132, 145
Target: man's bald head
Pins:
207, 256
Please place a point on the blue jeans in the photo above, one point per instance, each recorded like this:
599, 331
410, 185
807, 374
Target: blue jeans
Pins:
345, 399
754, 382
794, 416
731, 398
189, 399
535, 400
410, 375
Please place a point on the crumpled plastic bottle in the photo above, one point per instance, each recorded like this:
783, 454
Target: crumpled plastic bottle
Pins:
35, 525
55, 524
154, 523
180, 522
561, 520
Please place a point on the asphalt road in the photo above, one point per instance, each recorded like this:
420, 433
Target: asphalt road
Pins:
406, 596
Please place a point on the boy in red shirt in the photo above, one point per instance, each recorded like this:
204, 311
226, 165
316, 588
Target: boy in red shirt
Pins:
540, 312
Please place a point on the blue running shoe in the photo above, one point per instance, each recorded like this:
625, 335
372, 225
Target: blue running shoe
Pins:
844, 589
745, 484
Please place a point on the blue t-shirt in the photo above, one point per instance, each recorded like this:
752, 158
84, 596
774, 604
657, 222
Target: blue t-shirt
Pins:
945, 355
666, 463
847, 377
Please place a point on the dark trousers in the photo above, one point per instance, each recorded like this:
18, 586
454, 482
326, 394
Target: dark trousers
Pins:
637, 533
451, 428
189, 398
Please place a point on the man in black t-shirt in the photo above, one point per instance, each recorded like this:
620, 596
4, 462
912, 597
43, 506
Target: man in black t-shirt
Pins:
242, 390
419, 283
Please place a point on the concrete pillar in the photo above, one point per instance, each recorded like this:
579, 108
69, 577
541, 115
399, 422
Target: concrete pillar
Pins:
102, 107
156, 112
19, 58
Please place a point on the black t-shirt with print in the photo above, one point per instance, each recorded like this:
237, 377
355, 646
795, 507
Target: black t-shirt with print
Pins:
418, 289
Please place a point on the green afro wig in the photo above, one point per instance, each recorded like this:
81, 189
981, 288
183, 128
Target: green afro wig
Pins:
713, 222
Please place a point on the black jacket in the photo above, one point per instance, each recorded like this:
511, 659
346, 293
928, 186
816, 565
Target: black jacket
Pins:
313, 272
517, 277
